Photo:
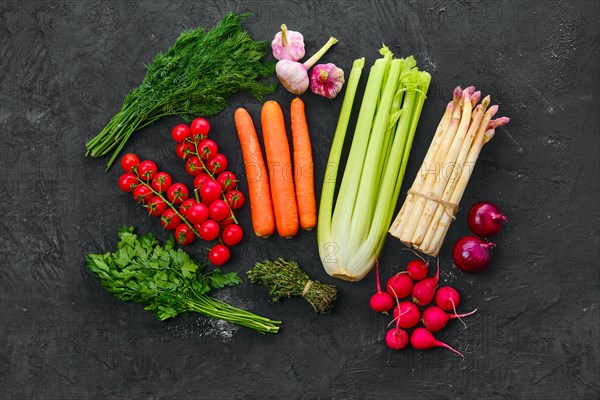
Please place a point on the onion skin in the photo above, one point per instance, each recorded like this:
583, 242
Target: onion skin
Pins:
485, 219
472, 254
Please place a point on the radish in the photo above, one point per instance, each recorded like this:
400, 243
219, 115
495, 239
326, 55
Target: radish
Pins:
399, 285
435, 319
396, 338
424, 291
417, 269
422, 339
380, 301
406, 315
447, 298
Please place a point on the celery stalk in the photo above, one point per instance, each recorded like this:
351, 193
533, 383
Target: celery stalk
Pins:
327, 248
351, 239
364, 206
349, 187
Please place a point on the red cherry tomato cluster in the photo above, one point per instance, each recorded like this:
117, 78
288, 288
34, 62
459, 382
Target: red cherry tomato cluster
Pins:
207, 212
215, 186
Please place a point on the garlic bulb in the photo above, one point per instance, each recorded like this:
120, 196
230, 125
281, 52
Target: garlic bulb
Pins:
288, 45
326, 80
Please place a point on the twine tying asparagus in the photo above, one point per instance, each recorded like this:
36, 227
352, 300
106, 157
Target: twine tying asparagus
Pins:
451, 208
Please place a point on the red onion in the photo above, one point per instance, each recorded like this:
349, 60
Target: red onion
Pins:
485, 219
471, 254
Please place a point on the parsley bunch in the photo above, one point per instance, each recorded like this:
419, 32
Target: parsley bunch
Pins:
195, 77
168, 281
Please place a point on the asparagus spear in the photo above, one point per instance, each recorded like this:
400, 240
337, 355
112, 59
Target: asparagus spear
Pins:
440, 208
423, 211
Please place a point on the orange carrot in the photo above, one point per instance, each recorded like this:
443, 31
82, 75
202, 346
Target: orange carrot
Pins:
303, 166
279, 161
261, 207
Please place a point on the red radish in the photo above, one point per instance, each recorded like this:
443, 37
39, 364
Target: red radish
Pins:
422, 339
472, 254
396, 338
435, 319
406, 315
417, 269
399, 285
423, 291
380, 301
447, 298
485, 219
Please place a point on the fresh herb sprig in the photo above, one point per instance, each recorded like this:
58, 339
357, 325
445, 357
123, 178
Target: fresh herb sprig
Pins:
194, 77
168, 281
284, 278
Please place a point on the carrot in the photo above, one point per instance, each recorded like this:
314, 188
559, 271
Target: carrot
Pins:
261, 207
280, 169
303, 166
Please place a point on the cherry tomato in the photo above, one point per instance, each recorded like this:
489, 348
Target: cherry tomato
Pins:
177, 193
142, 194
201, 179
232, 235
235, 199
181, 132
208, 230
156, 206
170, 220
227, 221
129, 161
227, 180
219, 255
184, 150
194, 166
198, 213
200, 126
161, 182
184, 234
127, 182
210, 191
185, 206
207, 149
146, 170
217, 164
218, 210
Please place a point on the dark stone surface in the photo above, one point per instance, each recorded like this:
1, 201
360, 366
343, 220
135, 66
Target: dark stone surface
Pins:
65, 67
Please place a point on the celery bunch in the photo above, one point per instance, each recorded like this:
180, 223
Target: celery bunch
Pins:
351, 234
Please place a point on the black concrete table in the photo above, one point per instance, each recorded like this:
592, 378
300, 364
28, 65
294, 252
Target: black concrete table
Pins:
65, 68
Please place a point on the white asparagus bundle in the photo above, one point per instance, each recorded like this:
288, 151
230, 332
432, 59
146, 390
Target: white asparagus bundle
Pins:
433, 199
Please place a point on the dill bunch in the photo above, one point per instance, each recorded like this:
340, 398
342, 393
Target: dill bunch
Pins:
284, 278
195, 77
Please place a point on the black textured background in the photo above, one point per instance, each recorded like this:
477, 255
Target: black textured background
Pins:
65, 67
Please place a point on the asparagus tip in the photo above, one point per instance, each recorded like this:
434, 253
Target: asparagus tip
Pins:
470, 90
457, 94
486, 101
494, 109
498, 122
